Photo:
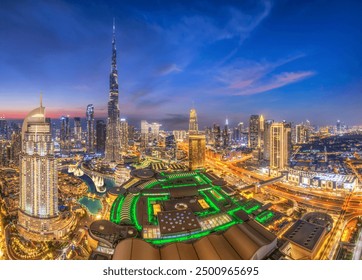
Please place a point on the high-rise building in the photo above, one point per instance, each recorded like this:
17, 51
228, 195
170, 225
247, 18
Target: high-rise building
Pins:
101, 130
267, 131
64, 135
3, 128
150, 133
15, 147
77, 133
5, 149
254, 131
131, 134
124, 135
339, 126
193, 126
180, 135
113, 141
216, 130
261, 133
145, 129
90, 128
209, 136
197, 147
301, 134
226, 135
38, 205
171, 146
280, 134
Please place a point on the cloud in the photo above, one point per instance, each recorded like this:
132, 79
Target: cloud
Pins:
277, 81
152, 103
175, 121
168, 69
247, 77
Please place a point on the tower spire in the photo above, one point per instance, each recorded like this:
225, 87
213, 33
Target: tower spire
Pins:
113, 146
41, 99
114, 56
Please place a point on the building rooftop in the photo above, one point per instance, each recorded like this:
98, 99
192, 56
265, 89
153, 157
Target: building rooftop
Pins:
240, 242
177, 221
305, 234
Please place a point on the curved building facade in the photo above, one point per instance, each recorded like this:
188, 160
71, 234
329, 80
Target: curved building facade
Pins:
38, 206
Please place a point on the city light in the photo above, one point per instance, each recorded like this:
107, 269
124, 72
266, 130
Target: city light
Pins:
204, 143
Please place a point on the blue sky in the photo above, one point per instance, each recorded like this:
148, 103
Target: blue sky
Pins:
289, 60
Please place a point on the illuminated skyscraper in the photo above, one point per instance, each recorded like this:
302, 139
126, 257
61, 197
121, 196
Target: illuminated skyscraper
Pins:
15, 147
3, 128
279, 145
226, 135
254, 131
124, 135
180, 135
65, 135
145, 129
301, 134
77, 133
197, 146
193, 126
217, 135
267, 127
38, 207
113, 142
339, 126
90, 128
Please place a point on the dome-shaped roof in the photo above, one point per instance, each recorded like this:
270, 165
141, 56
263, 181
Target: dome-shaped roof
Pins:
35, 116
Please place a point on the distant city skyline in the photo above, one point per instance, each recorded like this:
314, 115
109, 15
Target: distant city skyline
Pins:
286, 60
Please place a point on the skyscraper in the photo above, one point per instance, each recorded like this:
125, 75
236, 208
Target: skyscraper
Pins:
171, 146
64, 135
279, 145
301, 134
90, 128
145, 129
197, 146
226, 135
254, 131
15, 147
38, 206
124, 135
3, 128
77, 133
101, 136
193, 126
113, 141
339, 126
267, 127
216, 130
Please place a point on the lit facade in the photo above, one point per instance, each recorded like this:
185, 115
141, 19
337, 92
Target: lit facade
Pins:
279, 145
193, 126
90, 128
113, 141
124, 135
267, 127
65, 135
197, 146
180, 135
38, 207
77, 133
301, 134
254, 132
